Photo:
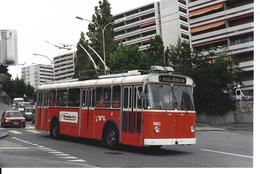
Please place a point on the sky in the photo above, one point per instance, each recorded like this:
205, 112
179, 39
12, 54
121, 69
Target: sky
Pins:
37, 21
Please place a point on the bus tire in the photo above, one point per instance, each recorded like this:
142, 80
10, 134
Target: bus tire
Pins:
55, 129
111, 137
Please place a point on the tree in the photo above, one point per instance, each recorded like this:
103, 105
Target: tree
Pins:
128, 57
179, 57
100, 19
156, 52
18, 88
213, 80
82, 61
212, 73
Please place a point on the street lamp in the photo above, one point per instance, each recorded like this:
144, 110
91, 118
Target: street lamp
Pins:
103, 33
41, 55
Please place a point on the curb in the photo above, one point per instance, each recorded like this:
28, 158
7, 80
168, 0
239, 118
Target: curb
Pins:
3, 133
209, 129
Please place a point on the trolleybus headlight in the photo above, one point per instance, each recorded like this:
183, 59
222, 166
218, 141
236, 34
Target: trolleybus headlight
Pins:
192, 129
157, 129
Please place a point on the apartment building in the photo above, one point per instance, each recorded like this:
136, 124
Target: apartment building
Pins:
63, 66
225, 25
167, 18
37, 74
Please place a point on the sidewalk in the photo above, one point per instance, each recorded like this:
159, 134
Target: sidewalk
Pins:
3, 133
223, 127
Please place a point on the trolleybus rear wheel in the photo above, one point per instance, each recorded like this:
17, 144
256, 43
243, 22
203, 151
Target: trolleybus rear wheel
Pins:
55, 129
111, 137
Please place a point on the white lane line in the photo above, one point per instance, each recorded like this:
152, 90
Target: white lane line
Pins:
61, 154
226, 133
14, 132
55, 152
77, 160
227, 153
30, 127
68, 157
14, 148
33, 131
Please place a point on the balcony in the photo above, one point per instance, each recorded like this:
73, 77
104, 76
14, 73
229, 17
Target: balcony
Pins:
227, 14
223, 33
140, 31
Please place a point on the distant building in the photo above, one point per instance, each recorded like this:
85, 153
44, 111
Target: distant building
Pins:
37, 74
225, 25
63, 66
167, 18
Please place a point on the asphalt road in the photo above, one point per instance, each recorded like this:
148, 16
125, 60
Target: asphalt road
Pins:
27, 147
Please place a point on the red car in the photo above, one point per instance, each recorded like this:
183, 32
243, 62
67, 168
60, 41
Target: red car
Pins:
13, 118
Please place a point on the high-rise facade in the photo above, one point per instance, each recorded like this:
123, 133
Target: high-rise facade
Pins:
167, 18
37, 74
225, 25
63, 66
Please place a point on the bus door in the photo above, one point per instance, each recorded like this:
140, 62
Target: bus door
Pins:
131, 116
44, 112
84, 114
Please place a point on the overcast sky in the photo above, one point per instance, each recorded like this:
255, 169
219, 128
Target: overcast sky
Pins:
51, 20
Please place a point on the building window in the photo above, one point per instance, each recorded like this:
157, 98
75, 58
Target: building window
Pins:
183, 10
185, 36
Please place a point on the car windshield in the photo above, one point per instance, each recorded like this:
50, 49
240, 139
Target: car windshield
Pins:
168, 97
13, 114
29, 110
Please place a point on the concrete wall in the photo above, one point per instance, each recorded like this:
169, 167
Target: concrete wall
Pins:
243, 114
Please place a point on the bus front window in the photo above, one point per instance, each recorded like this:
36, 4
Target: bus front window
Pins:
167, 97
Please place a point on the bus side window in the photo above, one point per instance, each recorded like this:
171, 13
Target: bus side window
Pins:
93, 94
39, 98
73, 97
62, 97
139, 97
52, 98
99, 98
116, 96
126, 98
103, 97
45, 98
83, 101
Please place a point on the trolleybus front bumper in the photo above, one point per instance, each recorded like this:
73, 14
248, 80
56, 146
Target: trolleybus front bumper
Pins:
169, 141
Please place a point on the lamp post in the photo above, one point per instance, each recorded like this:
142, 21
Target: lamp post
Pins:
41, 55
103, 34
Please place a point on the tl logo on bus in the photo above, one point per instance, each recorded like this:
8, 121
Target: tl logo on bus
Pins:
100, 118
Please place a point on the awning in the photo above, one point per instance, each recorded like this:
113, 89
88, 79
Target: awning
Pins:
210, 42
207, 26
206, 9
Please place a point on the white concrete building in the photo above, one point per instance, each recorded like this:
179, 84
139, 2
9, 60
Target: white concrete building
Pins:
167, 18
37, 74
225, 25
63, 66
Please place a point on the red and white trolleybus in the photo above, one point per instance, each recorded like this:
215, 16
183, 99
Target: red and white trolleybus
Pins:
132, 108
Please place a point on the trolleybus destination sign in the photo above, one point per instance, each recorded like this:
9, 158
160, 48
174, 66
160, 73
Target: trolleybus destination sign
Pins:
172, 79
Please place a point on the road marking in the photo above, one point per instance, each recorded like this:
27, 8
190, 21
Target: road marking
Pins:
33, 131
14, 132
14, 148
62, 154
68, 157
227, 153
227, 133
77, 160
30, 127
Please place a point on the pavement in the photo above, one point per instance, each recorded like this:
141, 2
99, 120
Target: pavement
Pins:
3, 133
199, 127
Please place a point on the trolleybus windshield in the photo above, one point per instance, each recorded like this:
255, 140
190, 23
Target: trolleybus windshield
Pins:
168, 97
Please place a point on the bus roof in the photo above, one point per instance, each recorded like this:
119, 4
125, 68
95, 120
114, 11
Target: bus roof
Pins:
129, 80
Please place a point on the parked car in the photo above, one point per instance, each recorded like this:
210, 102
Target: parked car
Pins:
13, 118
33, 116
22, 105
28, 113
